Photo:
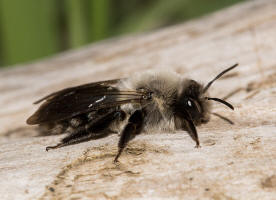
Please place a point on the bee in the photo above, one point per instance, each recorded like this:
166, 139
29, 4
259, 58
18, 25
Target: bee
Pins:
147, 102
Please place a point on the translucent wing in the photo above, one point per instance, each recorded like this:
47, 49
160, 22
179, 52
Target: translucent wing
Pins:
73, 101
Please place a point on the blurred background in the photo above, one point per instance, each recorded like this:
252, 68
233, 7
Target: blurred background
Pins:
34, 29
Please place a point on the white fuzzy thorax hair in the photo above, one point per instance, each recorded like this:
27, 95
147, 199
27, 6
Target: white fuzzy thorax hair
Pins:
165, 85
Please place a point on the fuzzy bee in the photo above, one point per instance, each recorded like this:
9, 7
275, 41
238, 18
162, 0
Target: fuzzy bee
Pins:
147, 102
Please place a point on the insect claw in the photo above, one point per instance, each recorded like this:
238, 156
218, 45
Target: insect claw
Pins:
197, 145
116, 161
118, 155
53, 147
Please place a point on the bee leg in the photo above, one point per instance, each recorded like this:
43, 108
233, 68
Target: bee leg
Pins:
79, 137
192, 131
94, 130
55, 147
133, 128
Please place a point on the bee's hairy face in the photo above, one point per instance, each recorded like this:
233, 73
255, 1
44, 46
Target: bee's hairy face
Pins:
190, 101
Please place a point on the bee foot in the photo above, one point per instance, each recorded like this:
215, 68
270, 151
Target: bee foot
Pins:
53, 147
197, 146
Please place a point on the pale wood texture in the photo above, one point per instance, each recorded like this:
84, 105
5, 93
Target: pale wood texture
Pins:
235, 162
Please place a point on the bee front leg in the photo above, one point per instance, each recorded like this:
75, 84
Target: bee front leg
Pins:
133, 128
192, 131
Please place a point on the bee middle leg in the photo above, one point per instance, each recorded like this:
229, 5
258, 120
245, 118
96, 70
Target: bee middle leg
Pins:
133, 128
94, 130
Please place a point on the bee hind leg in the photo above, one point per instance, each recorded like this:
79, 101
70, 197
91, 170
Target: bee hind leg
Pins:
79, 137
55, 147
133, 128
94, 130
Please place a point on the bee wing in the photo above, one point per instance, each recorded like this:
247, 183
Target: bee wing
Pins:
73, 101
94, 85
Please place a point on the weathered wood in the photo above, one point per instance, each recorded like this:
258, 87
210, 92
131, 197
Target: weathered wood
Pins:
235, 162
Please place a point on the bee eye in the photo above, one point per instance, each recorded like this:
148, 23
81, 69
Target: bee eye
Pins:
189, 103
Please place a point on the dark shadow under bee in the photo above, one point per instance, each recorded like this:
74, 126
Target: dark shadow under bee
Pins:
150, 101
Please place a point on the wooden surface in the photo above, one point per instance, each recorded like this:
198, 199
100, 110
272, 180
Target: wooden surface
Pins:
235, 162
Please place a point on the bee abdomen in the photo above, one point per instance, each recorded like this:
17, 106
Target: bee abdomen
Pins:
71, 125
64, 126
53, 128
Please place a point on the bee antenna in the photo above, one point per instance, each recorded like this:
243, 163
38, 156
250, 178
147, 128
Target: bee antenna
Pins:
221, 101
218, 76
223, 118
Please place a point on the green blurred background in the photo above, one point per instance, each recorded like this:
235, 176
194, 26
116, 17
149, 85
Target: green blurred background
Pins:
33, 29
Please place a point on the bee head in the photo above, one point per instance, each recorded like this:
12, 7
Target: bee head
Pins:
192, 100
191, 103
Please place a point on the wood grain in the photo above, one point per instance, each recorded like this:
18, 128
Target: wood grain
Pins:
235, 162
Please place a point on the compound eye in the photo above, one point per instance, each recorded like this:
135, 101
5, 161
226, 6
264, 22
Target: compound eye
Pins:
189, 103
